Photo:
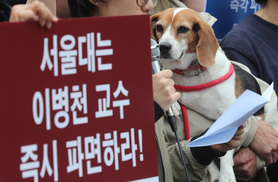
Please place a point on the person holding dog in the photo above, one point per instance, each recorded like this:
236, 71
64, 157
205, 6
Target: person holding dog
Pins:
170, 165
254, 43
247, 165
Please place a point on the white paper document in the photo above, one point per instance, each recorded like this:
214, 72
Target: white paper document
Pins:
224, 128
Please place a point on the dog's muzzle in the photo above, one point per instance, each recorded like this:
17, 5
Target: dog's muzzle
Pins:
166, 53
165, 48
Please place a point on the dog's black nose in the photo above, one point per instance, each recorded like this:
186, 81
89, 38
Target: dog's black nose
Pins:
165, 47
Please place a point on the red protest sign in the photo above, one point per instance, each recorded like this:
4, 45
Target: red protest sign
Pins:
77, 101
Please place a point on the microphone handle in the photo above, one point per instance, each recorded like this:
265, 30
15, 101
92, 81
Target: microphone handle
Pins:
155, 66
172, 119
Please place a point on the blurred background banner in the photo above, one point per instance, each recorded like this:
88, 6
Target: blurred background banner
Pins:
229, 13
76, 101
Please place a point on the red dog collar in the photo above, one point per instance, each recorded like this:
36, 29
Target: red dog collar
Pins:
206, 85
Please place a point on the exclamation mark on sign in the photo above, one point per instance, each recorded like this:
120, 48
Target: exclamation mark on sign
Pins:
140, 145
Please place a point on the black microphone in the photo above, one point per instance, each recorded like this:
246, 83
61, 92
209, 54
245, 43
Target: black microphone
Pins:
156, 68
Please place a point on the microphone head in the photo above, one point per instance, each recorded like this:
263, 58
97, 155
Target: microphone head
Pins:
155, 50
155, 56
153, 42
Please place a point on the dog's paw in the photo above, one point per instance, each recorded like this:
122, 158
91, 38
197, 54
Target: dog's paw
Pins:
227, 177
176, 109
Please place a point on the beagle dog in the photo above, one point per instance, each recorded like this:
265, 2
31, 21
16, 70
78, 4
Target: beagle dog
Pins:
207, 80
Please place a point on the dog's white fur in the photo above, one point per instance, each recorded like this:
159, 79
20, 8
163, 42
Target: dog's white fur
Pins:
210, 102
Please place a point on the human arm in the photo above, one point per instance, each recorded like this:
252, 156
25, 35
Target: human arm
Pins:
198, 158
266, 136
197, 167
35, 11
263, 141
164, 92
158, 111
268, 128
205, 155
245, 163
233, 143
264, 144
169, 152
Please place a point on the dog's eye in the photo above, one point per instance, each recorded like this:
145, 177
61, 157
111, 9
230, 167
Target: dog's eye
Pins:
182, 30
159, 28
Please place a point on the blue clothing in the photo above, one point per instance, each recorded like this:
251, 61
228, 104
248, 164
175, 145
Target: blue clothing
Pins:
5, 10
254, 42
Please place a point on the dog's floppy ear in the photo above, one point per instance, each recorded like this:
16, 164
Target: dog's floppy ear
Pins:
207, 45
154, 19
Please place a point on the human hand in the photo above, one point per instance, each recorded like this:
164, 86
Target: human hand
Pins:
245, 163
233, 143
164, 92
265, 142
35, 11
